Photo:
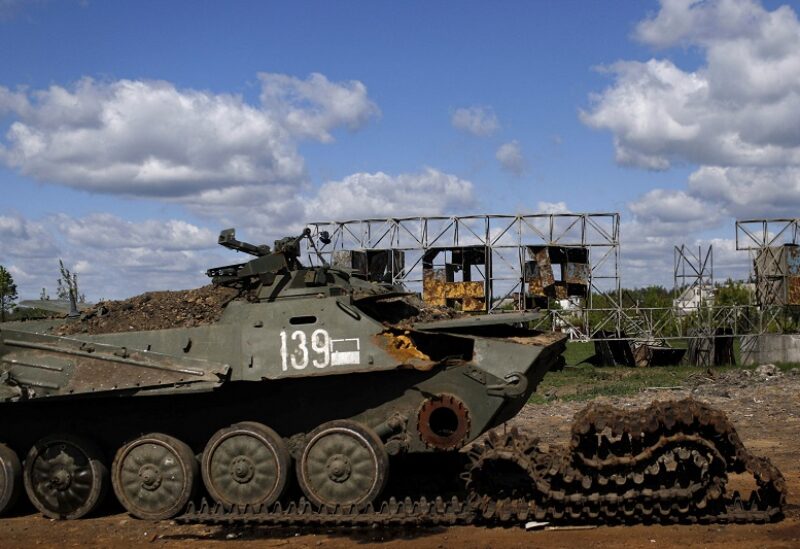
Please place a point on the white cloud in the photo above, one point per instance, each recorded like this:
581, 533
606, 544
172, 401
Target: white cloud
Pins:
477, 120
648, 255
23, 238
736, 117
362, 195
741, 108
152, 139
674, 212
106, 231
552, 207
750, 192
511, 158
114, 258
316, 106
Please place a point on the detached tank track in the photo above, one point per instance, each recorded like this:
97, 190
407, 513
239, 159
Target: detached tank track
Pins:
667, 463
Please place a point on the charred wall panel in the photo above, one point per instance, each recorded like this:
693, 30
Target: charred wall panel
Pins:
440, 286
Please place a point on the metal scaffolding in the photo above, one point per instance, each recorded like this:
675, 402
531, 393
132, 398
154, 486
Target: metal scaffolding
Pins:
693, 273
507, 243
491, 261
774, 248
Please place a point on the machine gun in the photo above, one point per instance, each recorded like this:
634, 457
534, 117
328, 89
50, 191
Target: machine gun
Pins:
227, 239
268, 263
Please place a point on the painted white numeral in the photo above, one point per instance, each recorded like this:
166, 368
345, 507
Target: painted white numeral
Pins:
300, 352
284, 352
321, 345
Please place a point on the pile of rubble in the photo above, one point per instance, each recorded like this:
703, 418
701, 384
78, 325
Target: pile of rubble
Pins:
153, 311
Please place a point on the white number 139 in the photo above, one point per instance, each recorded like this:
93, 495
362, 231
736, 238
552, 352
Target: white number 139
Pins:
294, 350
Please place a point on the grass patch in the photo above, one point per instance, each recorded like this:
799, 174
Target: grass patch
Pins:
578, 352
583, 382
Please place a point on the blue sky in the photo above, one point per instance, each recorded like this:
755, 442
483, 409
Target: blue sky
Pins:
557, 123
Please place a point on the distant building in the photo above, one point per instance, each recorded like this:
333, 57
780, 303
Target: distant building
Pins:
693, 297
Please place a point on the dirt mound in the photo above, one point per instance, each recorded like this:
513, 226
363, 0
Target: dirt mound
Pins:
153, 311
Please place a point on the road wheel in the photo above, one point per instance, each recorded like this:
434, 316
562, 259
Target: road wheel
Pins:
344, 463
246, 463
10, 478
154, 476
65, 477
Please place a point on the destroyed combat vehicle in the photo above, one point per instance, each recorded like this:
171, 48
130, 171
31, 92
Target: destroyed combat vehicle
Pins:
308, 363
317, 382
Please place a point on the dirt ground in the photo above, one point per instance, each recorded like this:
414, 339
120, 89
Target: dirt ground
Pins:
765, 410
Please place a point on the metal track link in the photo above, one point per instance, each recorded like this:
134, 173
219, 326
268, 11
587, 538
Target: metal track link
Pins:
393, 512
668, 463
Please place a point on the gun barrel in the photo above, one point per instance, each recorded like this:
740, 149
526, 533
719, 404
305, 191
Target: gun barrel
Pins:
227, 239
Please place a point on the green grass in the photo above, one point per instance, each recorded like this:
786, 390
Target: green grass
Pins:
580, 381
585, 382
578, 352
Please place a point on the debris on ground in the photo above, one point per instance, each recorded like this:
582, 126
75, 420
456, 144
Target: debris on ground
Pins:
768, 370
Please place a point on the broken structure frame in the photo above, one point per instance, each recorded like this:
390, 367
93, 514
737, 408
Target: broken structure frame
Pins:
774, 248
507, 240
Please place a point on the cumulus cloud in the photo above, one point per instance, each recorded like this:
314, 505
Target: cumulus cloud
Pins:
116, 257
736, 117
648, 254
749, 191
552, 207
152, 139
113, 257
477, 120
106, 231
740, 108
672, 212
22, 238
314, 107
361, 195
511, 158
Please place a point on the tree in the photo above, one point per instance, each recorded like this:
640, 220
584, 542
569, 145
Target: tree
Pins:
8, 293
67, 288
732, 293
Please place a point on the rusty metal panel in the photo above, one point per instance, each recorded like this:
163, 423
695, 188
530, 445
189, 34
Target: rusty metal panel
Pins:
433, 281
577, 273
545, 267
793, 290
438, 291
535, 287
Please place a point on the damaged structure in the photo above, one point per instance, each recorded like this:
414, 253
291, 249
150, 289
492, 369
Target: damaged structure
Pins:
776, 270
557, 273
486, 263
456, 277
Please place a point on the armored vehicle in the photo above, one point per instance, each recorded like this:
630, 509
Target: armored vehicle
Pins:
305, 365
317, 384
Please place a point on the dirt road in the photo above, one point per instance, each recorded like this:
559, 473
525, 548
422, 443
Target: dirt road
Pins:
766, 413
